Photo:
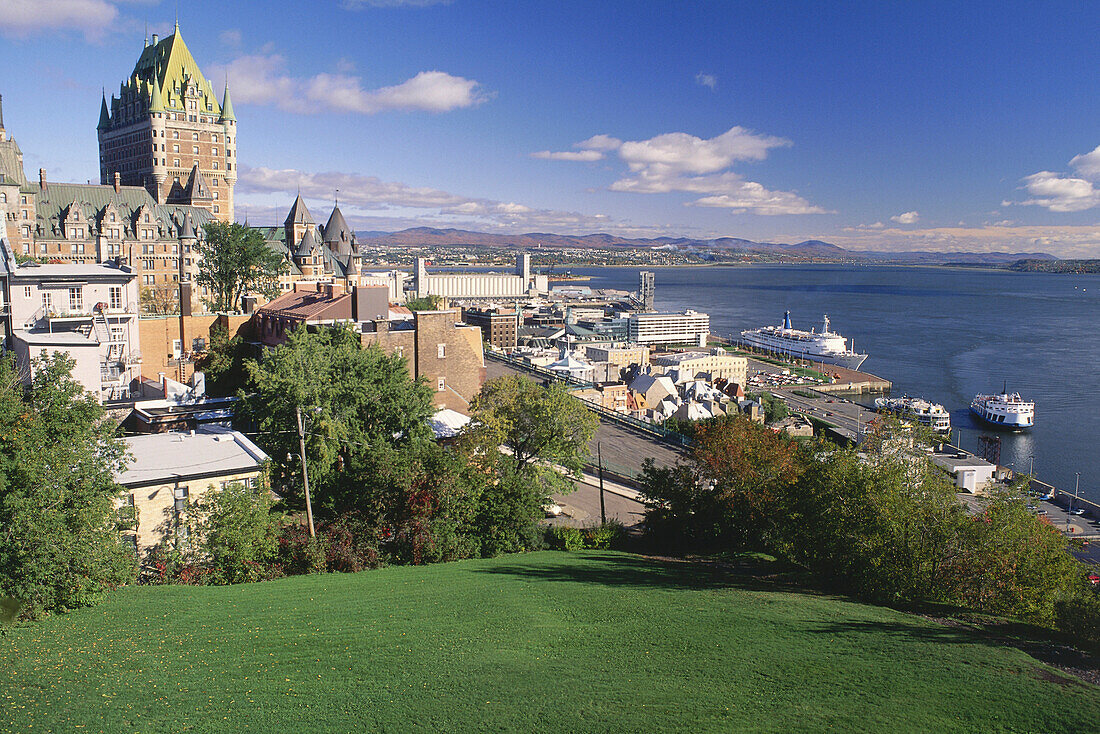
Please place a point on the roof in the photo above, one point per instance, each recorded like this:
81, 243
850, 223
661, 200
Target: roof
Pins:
227, 105
338, 233
306, 305
447, 423
298, 213
11, 165
211, 451
53, 201
72, 271
170, 65
54, 338
307, 245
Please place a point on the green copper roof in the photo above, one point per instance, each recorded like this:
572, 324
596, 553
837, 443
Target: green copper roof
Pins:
227, 107
156, 105
171, 64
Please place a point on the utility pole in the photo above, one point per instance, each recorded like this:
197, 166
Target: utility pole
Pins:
599, 461
305, 470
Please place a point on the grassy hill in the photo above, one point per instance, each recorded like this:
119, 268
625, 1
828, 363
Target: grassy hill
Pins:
540, 642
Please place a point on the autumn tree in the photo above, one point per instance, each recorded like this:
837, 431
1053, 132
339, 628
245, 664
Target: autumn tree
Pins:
234, 260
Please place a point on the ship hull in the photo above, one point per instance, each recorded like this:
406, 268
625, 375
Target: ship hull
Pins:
848, 361
1011, 423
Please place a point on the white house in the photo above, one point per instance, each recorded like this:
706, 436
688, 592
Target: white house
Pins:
88, 311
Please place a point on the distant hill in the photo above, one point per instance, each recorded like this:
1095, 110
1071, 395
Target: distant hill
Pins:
817, 249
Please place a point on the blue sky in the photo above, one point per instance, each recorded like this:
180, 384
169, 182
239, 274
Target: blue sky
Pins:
873, 125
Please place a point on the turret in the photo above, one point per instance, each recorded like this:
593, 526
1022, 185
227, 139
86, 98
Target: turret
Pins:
227, 107
104, 115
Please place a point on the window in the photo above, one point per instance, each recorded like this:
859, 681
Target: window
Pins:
3, 198
175, 149
215, 182
27, 291
76, 299
47, 302
215, 165
441, 384
176, 162
78, 249
441, 350
118, 334
198, 344
111, 218
195, 149
216, 209
42, 248
115, 292
194, 136
147, 279
22, 200
177, 348
214, 151
176, 134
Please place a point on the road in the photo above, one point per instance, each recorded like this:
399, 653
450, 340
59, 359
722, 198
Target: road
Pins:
850, 419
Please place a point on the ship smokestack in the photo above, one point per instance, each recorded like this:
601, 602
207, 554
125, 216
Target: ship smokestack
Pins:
787, 320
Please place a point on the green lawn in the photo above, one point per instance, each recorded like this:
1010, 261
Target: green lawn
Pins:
541, 642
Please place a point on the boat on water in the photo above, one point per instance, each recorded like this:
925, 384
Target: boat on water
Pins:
922, 411
1004, 410
819, 346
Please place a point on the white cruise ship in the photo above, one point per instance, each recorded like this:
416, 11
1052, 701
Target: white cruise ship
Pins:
920, 410
1006, 410
823, 346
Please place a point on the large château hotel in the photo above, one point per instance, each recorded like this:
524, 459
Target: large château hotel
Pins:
167, 132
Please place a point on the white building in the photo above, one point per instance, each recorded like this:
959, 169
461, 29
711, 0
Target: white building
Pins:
87, 311
718, 364
480, 285
689, 327
969, 472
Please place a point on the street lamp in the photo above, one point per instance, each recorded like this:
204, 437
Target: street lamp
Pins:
305, 469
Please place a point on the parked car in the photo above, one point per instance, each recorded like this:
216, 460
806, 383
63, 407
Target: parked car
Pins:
1094, 579
1078, 511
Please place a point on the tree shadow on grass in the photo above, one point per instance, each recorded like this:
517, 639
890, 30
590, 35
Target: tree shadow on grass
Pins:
628, 571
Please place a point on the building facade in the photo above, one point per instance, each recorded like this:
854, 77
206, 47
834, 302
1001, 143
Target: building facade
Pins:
165, 472
719, 365
495, 286
167, 131
499, 327
689, 327
87, 311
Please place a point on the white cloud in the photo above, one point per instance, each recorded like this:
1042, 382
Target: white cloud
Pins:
1088, 164
706, 80
679, 162
367, 196
231, 37
1061, 241
25, 18
1061, 192
262, 79
569, 155
906, 218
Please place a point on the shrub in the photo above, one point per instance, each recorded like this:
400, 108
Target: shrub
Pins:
1080, 616
565, 538
605, 536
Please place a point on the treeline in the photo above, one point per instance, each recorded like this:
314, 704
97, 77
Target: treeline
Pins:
383, 490
1056, 266
886, 527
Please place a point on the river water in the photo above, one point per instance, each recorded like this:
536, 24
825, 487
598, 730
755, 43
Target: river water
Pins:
940, 333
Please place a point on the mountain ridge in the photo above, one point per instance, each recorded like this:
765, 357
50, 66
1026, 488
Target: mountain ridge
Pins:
449, 236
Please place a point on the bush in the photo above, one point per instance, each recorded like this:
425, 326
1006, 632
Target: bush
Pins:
605, 536
1080, 616
564, 538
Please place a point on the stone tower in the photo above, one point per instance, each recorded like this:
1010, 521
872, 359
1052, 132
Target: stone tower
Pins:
167, 131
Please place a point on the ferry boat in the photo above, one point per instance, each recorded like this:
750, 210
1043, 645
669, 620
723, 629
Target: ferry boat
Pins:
920, 410
824, 346
1004, 410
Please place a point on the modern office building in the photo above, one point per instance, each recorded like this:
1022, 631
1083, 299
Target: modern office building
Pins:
689, 327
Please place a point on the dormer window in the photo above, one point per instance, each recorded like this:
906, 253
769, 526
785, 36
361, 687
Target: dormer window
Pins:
111, 217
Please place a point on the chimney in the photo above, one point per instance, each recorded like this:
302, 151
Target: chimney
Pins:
42, 178
118, 181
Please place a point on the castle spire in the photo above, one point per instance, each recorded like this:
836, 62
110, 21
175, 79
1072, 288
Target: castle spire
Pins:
156, 104
104, 115
227, 106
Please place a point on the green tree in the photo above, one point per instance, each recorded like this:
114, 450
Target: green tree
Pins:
59, 541
235, 533
358, 403
424, 303
223, 363
235, 260
545, 433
